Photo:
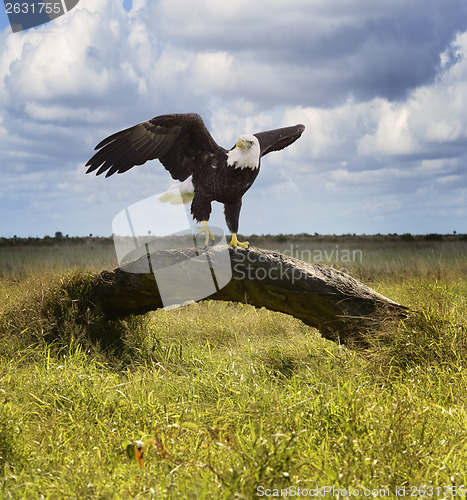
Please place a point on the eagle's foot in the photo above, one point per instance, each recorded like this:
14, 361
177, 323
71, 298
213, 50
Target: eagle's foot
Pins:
209, 240
235, 243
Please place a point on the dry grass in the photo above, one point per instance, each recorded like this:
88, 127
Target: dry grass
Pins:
233, 397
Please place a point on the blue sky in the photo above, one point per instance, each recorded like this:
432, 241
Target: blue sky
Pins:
380, 86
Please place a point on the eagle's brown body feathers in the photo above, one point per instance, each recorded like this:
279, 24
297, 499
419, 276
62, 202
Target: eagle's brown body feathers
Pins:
183, 144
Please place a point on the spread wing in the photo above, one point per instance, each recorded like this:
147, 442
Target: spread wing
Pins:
280, 138
176, 140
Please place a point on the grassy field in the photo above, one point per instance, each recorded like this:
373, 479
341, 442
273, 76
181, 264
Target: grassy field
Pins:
232, 401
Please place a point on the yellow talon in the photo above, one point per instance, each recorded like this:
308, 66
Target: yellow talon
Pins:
234, 242
209, 235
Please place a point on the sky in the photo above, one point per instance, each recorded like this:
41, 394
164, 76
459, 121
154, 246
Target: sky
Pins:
381, 87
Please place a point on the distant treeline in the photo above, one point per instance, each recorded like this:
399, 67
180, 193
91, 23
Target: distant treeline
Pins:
56, 240
60, 239
282, 238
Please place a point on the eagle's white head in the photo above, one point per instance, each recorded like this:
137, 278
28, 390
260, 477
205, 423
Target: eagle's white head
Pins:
245, 154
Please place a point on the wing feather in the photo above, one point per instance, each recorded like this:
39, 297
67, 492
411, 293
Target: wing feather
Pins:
176, 140
275, 140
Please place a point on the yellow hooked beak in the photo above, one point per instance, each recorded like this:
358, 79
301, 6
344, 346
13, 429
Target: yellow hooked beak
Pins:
241, 143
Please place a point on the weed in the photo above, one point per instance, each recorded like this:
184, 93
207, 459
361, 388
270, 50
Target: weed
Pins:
231, 398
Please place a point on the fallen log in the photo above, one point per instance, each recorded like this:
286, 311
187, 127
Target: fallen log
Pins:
339, 306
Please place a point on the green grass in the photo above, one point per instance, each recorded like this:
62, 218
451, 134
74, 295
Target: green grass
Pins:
233, 398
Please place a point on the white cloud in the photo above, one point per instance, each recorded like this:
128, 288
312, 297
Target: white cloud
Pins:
431, 117
380, 89
392, 135
212, 72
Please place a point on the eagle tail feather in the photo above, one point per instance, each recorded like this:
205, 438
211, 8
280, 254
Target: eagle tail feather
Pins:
181, 192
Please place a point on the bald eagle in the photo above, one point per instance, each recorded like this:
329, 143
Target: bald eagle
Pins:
184, 146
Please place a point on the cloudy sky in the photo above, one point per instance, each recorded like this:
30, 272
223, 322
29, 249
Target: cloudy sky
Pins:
380, 85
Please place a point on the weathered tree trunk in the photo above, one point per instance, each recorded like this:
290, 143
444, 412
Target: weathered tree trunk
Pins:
339, 306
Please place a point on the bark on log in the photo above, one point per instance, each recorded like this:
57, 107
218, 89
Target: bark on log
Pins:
339, 306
